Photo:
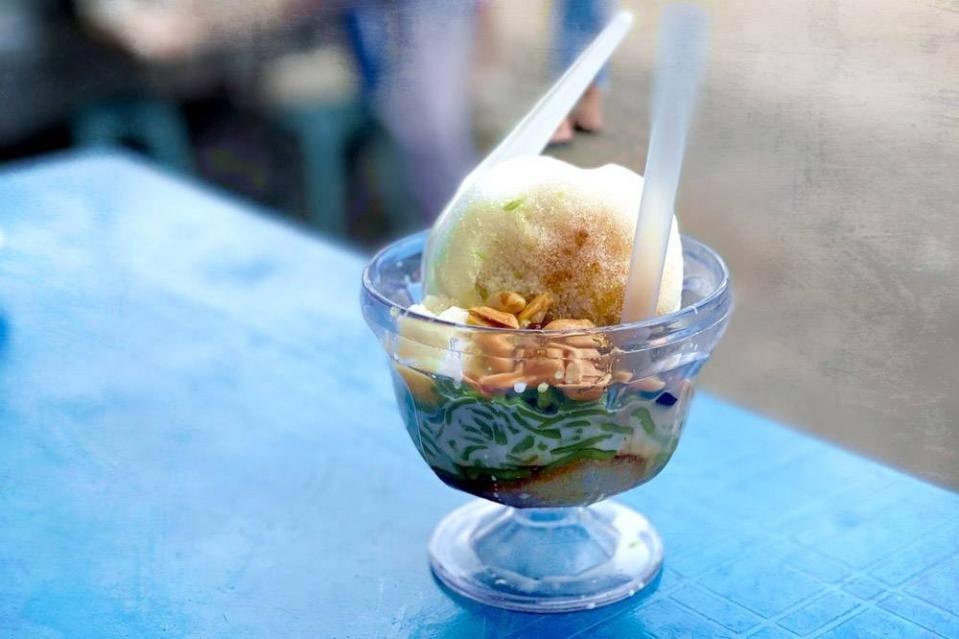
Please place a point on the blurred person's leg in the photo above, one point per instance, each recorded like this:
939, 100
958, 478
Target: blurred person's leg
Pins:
366, 31
420, 54
577, 23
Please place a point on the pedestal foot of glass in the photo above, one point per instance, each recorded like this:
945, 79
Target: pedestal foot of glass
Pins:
545, 559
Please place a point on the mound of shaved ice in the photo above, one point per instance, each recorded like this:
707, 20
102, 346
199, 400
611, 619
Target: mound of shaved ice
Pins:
536, 224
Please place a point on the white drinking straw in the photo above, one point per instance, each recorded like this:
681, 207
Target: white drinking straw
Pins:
531, 134
680, 57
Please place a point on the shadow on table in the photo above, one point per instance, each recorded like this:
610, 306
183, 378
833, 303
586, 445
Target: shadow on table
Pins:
477, 620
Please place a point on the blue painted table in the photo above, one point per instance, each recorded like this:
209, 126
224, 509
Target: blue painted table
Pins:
198, 439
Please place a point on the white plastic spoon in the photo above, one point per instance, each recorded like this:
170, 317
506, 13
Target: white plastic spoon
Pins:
531, 134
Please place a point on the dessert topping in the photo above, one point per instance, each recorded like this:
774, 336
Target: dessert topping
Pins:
486, 316
535, 311
507, 301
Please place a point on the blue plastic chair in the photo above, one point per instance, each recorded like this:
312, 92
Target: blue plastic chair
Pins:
152, 125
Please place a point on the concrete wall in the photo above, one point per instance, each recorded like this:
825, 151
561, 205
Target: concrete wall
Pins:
825, 167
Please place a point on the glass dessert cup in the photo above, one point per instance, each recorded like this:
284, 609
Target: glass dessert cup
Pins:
543, 425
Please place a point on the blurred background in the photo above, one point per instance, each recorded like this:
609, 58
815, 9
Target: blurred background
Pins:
824, 164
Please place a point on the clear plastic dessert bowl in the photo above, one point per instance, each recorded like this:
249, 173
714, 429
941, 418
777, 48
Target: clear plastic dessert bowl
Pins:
542, 424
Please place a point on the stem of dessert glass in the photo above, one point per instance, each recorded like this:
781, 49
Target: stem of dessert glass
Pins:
547, 517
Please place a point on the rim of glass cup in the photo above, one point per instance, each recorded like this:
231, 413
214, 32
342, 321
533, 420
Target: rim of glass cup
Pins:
681, 318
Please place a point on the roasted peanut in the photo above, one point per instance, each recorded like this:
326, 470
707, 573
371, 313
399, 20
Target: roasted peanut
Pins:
535, 311
578, 341
586, 391
486, 316
496, 344
568, 324
480, 365
507, 301
575, 352
502, 381
574, 372
583, 393
543, 365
